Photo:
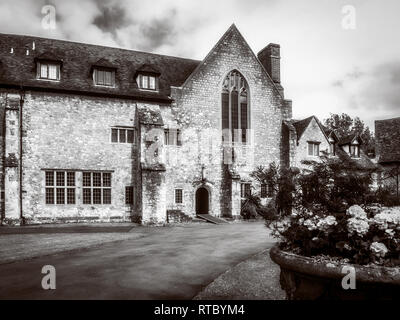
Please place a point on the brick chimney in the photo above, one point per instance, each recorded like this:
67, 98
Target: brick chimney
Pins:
270, 58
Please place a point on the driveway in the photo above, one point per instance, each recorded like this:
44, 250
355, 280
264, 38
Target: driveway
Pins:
164, 263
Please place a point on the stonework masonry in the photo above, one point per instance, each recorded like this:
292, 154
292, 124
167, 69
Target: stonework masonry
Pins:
313, 133
71, 132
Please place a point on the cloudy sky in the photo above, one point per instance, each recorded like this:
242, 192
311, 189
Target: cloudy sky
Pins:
330, 63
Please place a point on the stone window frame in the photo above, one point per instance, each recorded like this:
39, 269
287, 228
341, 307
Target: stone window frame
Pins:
235, 81
178, 196
97, 189
119, 129
55, 187
314, 144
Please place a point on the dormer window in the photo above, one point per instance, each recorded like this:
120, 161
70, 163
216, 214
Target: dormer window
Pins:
355, 150
332, 147
48, 71
147, 82
104, 77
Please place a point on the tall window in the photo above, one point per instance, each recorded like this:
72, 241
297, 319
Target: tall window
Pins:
104, 77
129, 197
313, 149
60, 187
96, 187
49, 71
235, 107
245, 190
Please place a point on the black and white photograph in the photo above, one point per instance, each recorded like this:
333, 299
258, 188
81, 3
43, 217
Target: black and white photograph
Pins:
201, 155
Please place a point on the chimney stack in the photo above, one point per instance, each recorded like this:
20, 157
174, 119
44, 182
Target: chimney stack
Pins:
270, 58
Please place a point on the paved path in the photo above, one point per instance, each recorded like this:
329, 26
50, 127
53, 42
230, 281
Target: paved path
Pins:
165, 263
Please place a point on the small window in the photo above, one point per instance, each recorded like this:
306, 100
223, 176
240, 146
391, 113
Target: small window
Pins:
129, 195
355, 151
104, 77
313, 149
122, 135
148, 82
245, 190
48, 71
178, 196
332, 149
172, 137
60, 187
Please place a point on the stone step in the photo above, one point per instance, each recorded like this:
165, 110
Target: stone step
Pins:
212, 219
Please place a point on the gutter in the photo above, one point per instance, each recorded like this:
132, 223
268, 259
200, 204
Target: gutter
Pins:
21, 104
155, 99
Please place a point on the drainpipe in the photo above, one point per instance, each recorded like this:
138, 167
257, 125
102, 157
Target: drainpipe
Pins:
21, 104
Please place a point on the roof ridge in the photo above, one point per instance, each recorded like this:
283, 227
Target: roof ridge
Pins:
97, 45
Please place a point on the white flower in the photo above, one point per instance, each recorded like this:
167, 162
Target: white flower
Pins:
378, 249
387, 219
325, 223
357, 226
390, 232
357, 212
310, 224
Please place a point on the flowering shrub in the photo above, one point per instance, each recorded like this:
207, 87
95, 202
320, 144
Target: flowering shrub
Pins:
332, 213
359, 236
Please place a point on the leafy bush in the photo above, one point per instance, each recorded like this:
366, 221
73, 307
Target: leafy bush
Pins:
268, 212
329, 209
356, 236
249, 207
386, 197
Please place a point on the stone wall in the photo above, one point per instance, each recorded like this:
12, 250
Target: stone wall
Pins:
74, 132
197, 109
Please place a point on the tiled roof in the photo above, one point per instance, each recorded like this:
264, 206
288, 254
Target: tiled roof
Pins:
387, 136
361, 163
348, 139
301, 126
19, 69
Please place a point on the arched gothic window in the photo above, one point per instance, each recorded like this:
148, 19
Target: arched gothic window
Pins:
235, 107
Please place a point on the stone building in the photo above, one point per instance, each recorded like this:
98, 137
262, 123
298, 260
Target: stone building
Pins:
106, 134
308, 139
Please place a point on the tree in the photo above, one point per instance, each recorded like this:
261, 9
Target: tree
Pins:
344, 125
281, 179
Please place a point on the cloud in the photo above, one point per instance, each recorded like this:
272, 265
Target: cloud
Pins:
112, 17
324, 67
373, 93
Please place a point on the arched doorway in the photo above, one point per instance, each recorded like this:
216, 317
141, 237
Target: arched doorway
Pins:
202, 201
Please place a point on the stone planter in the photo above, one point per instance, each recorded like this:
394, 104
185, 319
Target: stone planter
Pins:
304, 278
